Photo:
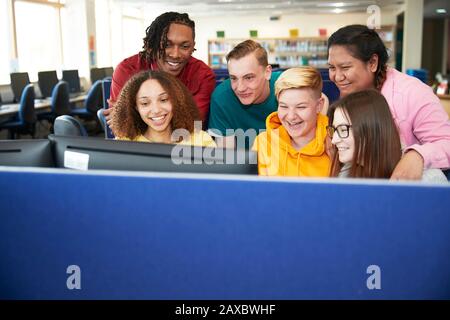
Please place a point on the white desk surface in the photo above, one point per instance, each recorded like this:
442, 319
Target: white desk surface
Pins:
39, 105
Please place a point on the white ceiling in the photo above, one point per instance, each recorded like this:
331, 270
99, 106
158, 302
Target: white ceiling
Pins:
268, 7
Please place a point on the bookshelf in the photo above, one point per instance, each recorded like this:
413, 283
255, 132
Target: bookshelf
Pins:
287, 52
292, 52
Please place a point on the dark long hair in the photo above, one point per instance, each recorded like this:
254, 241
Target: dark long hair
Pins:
126, 119
363, 43
377, 141
155, 40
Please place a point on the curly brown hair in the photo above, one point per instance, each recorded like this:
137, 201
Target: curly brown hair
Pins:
126, 119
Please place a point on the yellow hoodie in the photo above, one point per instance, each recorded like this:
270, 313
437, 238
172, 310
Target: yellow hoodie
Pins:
277, 156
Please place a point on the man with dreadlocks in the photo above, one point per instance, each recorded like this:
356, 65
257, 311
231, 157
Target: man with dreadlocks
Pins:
168, 46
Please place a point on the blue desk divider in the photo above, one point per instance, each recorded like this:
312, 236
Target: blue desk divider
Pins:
206, 237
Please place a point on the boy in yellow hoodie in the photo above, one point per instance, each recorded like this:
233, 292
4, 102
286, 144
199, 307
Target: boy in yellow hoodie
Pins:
294, 141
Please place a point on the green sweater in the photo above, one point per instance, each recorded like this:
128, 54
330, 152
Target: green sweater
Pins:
227, 112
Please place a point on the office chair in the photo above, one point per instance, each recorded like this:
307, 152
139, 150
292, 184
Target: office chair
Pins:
106, 88
25, 121
60, 102
92, 103
101, 118
66, 125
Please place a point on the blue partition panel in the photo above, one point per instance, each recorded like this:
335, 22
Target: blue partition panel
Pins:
166, 237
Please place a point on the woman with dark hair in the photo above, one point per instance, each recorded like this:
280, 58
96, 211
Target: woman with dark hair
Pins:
365, 138
358, 61
154, 106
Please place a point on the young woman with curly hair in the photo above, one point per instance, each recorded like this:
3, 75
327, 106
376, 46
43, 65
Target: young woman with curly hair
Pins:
154, 106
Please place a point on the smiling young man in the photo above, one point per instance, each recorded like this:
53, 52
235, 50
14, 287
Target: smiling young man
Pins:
246, 99
168, 46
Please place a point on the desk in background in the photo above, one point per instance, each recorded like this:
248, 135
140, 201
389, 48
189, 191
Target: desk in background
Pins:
40, 105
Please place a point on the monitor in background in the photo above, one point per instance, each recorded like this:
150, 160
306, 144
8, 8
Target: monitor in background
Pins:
47, 81
108, 71
100, 73
73, 79
94, 153
96, 74
26, 153
19, 80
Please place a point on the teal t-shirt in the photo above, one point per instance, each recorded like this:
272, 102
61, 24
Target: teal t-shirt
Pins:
227, 112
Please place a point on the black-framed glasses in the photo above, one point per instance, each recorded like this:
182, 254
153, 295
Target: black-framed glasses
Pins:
342, 130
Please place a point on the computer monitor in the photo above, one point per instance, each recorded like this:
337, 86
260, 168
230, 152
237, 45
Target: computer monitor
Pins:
26, 153
94, 153
108, 71
101, 73
73, 79
47, 81
96, 74
19, 80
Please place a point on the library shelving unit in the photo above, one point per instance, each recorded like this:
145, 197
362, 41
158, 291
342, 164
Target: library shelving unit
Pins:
286, 52
292, 52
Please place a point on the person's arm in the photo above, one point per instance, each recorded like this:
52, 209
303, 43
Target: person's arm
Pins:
431, 127
262, 162
410, 167
203, 96
118, 81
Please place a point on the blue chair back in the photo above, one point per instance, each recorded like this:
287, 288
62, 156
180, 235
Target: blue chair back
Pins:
330, 90
101, 118
94, 98
106, 89
27, 114
324, 73
60, 102
66, 125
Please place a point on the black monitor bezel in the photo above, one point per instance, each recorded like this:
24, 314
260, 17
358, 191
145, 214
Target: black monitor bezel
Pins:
26, 153
47, 80
73, 79
17, 86
133, 151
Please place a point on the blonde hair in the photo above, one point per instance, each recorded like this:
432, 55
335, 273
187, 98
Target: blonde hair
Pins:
299, 78
245, 48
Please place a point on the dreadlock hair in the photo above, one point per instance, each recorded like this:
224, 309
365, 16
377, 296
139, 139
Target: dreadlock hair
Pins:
155, 40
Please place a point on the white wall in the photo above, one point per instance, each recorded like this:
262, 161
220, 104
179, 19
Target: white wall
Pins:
308, 25
413, 27
75, 37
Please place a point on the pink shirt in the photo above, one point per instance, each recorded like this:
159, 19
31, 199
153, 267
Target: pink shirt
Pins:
422, 121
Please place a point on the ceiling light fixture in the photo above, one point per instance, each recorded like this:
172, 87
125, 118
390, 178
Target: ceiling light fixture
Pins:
441, 11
